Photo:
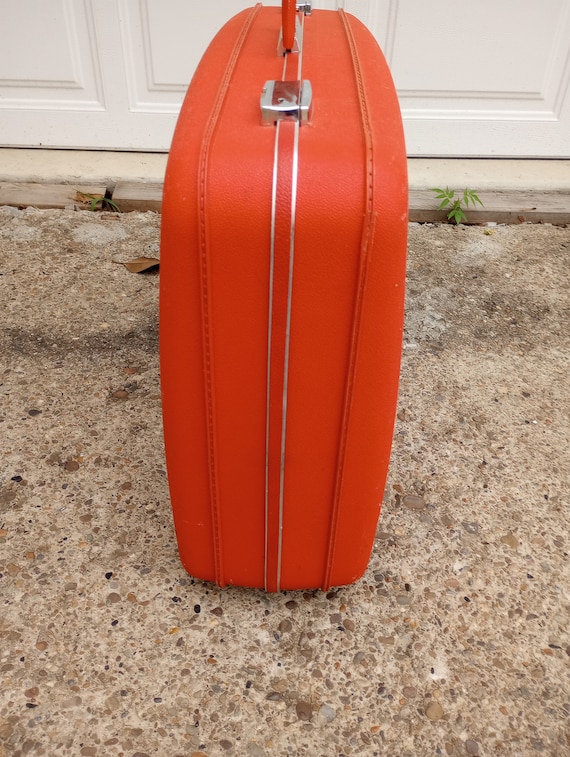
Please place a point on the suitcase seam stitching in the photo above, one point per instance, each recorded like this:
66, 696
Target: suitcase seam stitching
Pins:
207, 338
366, 244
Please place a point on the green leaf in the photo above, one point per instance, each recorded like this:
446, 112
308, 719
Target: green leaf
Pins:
445, 195
440, 193
456, 214
112, 205
474, 198
471, 195
99, 200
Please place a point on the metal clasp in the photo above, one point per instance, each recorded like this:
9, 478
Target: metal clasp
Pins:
286, 100
306, 8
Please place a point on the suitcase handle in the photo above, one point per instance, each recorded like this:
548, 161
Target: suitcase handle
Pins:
288, 15
289, 10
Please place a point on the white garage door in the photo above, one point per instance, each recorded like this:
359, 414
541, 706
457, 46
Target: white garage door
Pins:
485, 78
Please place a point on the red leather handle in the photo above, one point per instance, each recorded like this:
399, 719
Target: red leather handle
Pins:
289, 9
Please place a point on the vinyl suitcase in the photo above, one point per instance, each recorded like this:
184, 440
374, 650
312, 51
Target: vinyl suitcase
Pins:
283, 242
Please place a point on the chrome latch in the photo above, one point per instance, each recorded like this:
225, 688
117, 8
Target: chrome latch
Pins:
286, 100
306, 8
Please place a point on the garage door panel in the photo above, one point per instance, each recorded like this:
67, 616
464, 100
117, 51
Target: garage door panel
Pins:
163, 44
495, 57
54, 63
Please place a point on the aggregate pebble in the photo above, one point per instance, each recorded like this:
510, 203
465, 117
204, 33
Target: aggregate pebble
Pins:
255, 750
434, 711
328, 713
304, 710
510, 540
413, 502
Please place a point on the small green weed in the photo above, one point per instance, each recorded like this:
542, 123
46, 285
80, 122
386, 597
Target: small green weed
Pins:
449, 200
98, 202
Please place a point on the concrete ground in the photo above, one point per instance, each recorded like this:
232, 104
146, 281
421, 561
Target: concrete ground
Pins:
455, 642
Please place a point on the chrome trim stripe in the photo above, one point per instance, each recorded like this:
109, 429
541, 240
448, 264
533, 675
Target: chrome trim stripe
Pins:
269, 343
284, 71
294, 179
302, 36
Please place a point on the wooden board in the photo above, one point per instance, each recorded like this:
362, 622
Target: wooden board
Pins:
500, 207
136, 195
23, 195
510, 206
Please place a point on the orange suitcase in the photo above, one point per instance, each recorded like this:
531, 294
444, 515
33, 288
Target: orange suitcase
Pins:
284, 227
